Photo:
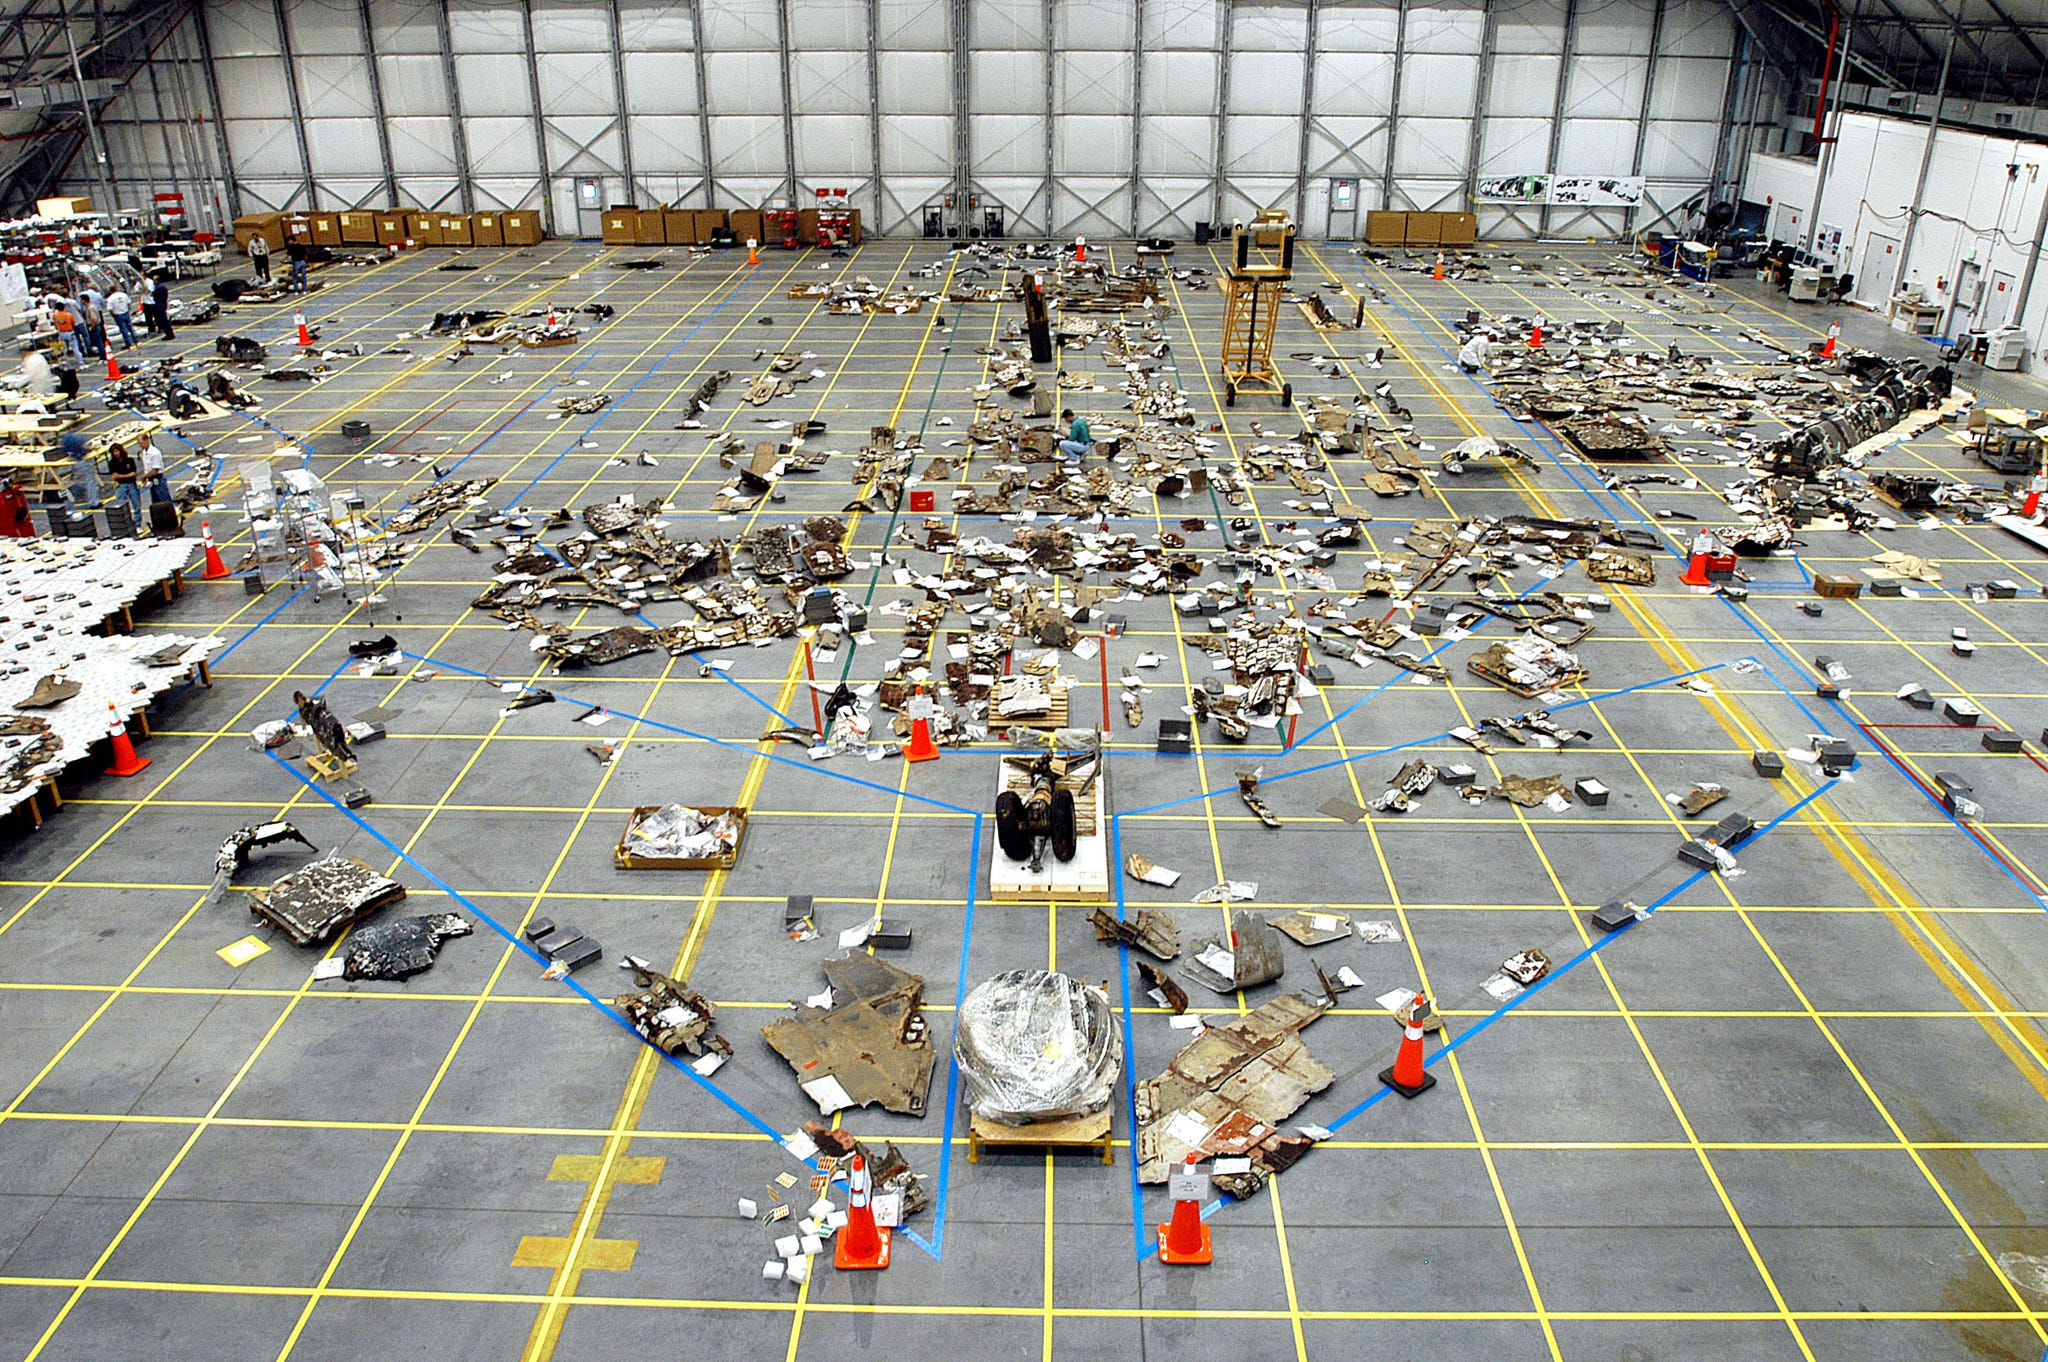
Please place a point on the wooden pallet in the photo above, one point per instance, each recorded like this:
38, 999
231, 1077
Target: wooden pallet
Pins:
1085, 879
1076, 1132
1053, 718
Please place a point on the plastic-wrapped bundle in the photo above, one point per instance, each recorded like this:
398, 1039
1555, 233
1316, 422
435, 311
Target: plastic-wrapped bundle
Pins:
1037, 1046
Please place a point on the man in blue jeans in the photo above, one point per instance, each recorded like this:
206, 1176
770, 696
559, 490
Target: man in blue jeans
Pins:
1078, 441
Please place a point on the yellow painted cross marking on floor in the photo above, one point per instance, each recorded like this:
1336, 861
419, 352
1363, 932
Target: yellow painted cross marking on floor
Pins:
638, 1168
552, 1250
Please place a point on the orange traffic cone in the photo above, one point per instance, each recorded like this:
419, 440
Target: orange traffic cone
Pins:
921, 747
2032, 505
1184, 1240
1408, 1077
861, 1245
126, 763
753, 251
1695, 573
1080, 250
1438, 273
215, 568
1827, 349
305, 336
1536, 333
113, 366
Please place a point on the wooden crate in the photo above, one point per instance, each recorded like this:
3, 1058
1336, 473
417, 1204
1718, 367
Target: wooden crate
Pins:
747, 223
424, 229
621, 226
1459, 229
1386, 229
1076, 1132
358, 229
391, 230
679, 225
326, 229
521, 229
708, 221
626, 860
455, 230
486, 229
1085, 879
650, 228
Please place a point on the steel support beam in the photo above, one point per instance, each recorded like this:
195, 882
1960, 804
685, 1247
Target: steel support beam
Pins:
2017, 30
1955, 22
1649, 93
464, 185
1051, 111
92, 132
1138, 104
1564, 77
1831, 128
1475, 141
1927, 151
220, 131
377, 103
540, 126
291, 89
874, 13
788, 103
1731, 100
1394, 106
1223, 50
704, 92
1308, 107
618, 56
957, 18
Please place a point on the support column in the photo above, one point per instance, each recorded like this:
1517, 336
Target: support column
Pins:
1649, 92
377, 103
1308, 108
788, 100
704, 94
1927, 154
1138, 105
291, 89
540, 126
1564, 77
1394, 107
464, 186
1051, 108
612, 35
1475, 143
1222, 121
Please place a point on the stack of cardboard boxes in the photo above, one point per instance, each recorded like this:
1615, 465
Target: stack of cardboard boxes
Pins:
693, 226
1421, 229
390, 227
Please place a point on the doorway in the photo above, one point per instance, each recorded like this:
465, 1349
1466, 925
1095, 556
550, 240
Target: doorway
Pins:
590, 206
1997, 309
1877, 273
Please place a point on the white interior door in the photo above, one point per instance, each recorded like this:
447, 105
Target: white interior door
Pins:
1877, 272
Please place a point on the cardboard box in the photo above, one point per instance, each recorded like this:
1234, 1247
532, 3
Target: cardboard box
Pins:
269, 226
652, 229
807, 226
357, 228
423, 228
724, 860
1386, 229
621, 226
520, 229
62, 208
455, 230
486, 229
326, 229
1424, 229
390, 228
1837, 586
708, 220
679, 225
746, 224
1459, 229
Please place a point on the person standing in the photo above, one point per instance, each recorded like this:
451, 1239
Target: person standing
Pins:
94, 316
127, 481
84, 488
160, 299
153, 470
119, 305
259, 257
66, 322
295, 250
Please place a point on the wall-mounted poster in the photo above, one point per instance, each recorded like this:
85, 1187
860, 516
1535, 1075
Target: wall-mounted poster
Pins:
1513, 189
1572, 191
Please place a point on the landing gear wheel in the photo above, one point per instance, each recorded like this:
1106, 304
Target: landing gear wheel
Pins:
1066, 839
1011, 832
1230, 394
1286, 394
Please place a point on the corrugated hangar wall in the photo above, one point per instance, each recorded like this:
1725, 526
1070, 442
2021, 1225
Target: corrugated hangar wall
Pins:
1099, 117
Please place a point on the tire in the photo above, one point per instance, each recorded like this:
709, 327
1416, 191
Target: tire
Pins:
1066, 838
1011, 834
1286, 394
1230, 394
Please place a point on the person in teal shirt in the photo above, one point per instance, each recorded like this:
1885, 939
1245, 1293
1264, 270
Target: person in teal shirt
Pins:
1078, 441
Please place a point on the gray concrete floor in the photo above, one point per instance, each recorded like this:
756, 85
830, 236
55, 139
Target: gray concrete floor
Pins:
1794, 1114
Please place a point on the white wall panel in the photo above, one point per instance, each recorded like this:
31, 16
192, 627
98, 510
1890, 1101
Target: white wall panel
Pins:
1180, 83
1008, 144
1265, 83
258, 86
422, 146
1438, 86
1347, 146
492, 84
1006, 82
263, 150
1596, 146
746, 145
325, 31
1176, 145
912, 25
343, 147
916, 82
1354, 82
1689, 88
1432, 147
576, 84
1514, 146
1253, 144
1190, 25
1092, 145
504, 146
1270, 30
1092, 82
743, 82
999, 24
485, 27
1524, 85
916, 144
242, 28
1444, 30
831, 146
1104, 25
1698, 28
826, 83
1606, 87
1608, 28
1530, 26
828, 26
415, 86
407, 26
